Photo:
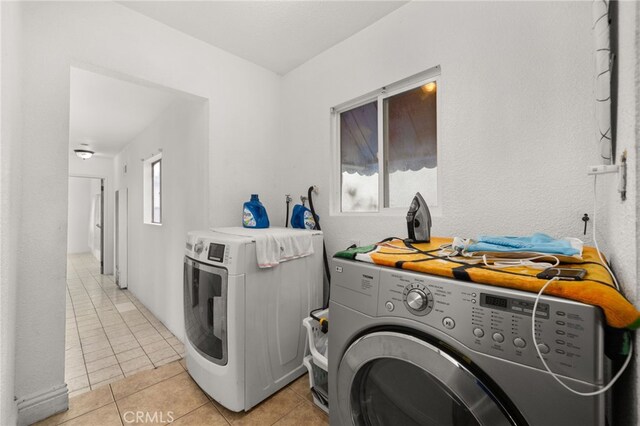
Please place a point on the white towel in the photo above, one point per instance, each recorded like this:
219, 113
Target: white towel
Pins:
276, 245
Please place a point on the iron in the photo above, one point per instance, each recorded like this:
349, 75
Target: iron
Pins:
419, 220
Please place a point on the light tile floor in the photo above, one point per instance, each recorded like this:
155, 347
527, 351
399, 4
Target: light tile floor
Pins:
168, 395
109, 334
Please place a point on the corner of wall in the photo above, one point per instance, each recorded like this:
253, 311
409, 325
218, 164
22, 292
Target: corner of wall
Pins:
10, 128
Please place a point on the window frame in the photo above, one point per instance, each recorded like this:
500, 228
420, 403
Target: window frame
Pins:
153, 192
430, 75
147, 189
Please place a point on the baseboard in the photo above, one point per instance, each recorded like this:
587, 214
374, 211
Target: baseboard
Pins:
41, 405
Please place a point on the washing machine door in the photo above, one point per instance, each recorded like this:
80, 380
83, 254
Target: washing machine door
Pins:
205, 309
390, 378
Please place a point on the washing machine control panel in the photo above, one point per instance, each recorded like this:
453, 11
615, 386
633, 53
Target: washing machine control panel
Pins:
497, 321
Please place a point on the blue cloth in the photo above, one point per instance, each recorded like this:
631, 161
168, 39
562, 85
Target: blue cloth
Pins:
539, 243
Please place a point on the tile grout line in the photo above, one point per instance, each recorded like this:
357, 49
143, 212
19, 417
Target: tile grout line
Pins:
154, 327
197, 408
131, 331
105, 333
124, 321
163, 380
288, 412
116, 403
75, 319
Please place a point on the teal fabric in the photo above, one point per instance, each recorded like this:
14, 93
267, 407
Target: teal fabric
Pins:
539, 243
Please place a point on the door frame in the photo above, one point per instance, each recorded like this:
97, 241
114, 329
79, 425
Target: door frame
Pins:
117, 264
103, 208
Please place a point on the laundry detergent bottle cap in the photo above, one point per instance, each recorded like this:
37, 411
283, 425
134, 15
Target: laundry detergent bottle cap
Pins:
254, 214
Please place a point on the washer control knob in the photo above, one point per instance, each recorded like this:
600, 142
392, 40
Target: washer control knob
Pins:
417, 299
498, 337
478, 332
448, 322
544, 349
389, 305
519, 342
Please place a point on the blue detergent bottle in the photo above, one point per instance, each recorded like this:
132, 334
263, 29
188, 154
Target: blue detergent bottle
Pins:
302, 218
254, 214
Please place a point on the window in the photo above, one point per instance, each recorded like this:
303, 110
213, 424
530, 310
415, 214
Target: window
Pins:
388, 147
152, 189
156, 207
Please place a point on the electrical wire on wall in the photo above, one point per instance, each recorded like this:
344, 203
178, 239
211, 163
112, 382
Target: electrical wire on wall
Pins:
603, 64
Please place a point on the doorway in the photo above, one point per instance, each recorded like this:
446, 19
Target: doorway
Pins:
85, 231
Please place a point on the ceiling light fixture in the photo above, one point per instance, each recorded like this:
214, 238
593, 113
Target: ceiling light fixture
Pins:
85, 154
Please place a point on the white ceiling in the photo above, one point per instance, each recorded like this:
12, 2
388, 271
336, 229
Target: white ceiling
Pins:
277, 35
107, 113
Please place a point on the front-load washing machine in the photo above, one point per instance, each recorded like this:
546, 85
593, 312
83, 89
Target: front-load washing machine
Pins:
244, 331
413, 349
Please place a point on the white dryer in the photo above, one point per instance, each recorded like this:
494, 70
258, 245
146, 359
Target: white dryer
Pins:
244, 331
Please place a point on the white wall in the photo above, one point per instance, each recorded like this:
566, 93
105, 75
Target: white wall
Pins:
100, 167
78, 215
517, 88
10, 199
516, 118
618, 233
243, 129
155, 253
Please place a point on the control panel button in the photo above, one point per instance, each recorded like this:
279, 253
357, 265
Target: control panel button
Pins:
389, 305
560, 332
544, 349
519, 342
448, 323
478, 332
498, 337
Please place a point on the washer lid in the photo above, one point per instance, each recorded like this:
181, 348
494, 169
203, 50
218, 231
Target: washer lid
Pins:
394, 378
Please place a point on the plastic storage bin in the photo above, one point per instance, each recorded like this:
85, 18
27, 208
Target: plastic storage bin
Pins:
316, 363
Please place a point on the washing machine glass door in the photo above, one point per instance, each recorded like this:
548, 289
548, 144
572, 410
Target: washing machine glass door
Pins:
389, 378
205, 309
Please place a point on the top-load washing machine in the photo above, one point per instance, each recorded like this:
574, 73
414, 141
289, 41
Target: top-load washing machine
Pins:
414, 349
244, 331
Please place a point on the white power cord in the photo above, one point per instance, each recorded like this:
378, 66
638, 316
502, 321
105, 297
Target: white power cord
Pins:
595, 241
554, 375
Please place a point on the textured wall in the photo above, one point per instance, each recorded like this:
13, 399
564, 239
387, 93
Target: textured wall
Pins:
107, 36
78, 215
517, 124
516, 114
155, 253
617, 223
10, 196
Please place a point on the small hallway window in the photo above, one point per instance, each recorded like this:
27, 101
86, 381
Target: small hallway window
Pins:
387, 143
152, 178
156, 193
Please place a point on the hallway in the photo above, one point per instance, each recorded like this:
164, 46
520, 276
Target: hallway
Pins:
109, 333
